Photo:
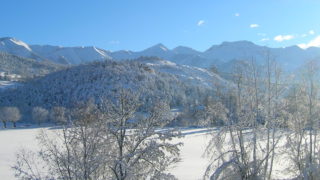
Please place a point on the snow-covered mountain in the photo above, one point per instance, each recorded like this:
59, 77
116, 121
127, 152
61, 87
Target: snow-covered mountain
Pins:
70, 55
17, 47
219, 55
289, 57
158, 50
57, 54
185, 50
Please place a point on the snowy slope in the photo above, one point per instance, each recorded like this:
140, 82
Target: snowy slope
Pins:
17, 47
64, 55
189, 74
122, 54
158, 50
71, 55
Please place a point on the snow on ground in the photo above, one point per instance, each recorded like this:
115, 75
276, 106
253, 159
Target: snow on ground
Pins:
11, 141
193, 164
191, 167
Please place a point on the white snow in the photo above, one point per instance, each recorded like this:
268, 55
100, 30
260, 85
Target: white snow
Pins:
103, 54
193, 164
16, 47
13, 140
21, 43
191, 167
7, 84
163, 48
189, 74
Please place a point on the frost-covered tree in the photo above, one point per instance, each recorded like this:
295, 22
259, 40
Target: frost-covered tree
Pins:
79, 151
249, 115
58, 114
111, 140
304, 109
140, 148
25, 67
39, 115
2, 118
9, 114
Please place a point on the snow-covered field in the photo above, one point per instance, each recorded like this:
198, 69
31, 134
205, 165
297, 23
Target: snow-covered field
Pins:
191, 167
11, 140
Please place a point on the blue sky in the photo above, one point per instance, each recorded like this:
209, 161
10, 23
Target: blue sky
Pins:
138, 24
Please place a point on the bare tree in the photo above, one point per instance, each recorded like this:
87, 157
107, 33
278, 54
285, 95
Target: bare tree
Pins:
40, 114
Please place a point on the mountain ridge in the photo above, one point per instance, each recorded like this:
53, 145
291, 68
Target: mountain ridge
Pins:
290, 57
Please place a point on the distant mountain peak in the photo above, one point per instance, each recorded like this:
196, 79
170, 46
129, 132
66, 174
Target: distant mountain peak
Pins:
159, 46
6, 38
231, 44
238, 43
295, 47
16, 47
185, 50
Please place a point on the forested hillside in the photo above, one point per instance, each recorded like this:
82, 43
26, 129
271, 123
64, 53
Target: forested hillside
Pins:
26, 68
101, 80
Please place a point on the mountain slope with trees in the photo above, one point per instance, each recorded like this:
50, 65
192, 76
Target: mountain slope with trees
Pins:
26, 68
100, 80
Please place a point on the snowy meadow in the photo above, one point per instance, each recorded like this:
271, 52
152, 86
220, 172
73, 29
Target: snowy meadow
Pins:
191, 167
193, 164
